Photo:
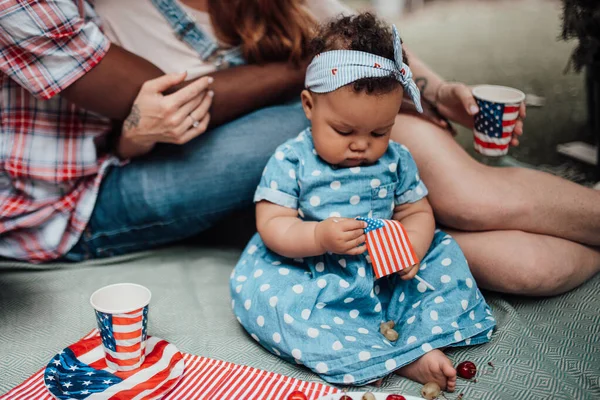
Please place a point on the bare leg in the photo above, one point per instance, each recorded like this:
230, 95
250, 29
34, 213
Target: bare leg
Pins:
526, 263
432, 367
470, 196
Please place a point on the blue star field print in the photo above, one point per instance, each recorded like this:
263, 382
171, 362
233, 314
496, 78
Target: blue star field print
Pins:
106, 330
66, 365
489, 120
372, 224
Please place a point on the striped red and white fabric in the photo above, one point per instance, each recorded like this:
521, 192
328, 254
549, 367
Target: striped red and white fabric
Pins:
203, 378
494, 126
206, 378
388, 246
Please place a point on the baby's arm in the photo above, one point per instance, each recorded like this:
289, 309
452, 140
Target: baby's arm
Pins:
413, 209
286, 234
419, 223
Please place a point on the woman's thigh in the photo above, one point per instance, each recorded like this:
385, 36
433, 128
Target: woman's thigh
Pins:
470, 196
463, 193
178, 191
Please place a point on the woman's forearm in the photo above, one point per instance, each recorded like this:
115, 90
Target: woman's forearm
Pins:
247, 88
427, 80
111, 87
128, 149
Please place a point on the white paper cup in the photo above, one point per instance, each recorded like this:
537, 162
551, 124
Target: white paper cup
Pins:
122, 316
497, 117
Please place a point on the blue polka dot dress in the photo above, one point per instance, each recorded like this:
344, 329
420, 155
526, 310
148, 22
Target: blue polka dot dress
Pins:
324, 312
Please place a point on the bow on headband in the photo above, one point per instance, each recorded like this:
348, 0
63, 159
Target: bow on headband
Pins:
331, 70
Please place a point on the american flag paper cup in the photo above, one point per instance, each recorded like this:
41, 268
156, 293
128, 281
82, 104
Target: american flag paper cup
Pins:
122, 316
497, 117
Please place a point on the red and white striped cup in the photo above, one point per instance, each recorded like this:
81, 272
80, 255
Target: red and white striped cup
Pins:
497, 117
122, 316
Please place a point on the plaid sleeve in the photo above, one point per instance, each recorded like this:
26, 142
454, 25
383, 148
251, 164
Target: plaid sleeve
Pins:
46, 45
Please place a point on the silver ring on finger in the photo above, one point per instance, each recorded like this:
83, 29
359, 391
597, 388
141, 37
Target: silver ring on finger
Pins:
195, 122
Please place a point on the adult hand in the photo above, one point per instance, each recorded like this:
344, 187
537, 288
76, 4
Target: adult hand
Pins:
456, 102
341, 235
175, 118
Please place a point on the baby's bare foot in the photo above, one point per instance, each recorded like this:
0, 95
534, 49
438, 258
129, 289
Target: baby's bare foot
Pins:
432, 367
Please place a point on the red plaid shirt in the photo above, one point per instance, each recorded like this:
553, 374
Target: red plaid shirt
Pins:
53, 154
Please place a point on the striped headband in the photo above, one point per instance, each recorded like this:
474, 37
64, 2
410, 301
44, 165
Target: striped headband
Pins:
333, 69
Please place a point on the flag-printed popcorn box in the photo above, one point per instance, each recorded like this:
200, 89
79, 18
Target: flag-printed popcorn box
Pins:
497, 117
122, 316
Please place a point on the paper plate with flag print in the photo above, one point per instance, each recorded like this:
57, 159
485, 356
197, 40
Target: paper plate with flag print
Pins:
80, 372
359, 396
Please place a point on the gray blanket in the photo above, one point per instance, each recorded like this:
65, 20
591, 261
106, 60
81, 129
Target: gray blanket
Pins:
543, 348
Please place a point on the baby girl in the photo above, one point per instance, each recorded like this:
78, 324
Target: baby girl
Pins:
305, 288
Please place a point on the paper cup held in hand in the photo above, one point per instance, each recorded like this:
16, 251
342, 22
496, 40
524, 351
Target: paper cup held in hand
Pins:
122, 316
497, 117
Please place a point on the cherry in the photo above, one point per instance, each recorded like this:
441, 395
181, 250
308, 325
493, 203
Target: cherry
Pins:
346, 397
297, 395
466, 370
395, 397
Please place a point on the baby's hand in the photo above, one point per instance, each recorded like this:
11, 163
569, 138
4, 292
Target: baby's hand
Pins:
341, 235
409, 273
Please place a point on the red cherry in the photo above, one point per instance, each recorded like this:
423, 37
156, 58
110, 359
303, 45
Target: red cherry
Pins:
466, 370
346, 397
297, 395
395, 397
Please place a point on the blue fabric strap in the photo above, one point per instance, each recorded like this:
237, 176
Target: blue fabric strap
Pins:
186, 29
331, 70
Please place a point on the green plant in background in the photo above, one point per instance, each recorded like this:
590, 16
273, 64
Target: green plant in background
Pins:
581, 20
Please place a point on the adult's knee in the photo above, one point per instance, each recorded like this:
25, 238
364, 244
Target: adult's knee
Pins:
536, 269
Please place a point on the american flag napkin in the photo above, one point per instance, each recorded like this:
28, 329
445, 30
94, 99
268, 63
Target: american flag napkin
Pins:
388, 246
203, 378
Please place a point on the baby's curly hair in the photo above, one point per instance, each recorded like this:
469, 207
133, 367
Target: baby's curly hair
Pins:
362, 32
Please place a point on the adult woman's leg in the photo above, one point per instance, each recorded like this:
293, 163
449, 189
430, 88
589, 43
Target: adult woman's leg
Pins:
178, 191
470, 196
527, 263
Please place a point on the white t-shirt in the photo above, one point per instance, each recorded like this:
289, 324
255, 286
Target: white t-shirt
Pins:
137, 26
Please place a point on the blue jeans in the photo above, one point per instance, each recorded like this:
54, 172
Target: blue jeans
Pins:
176, 192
